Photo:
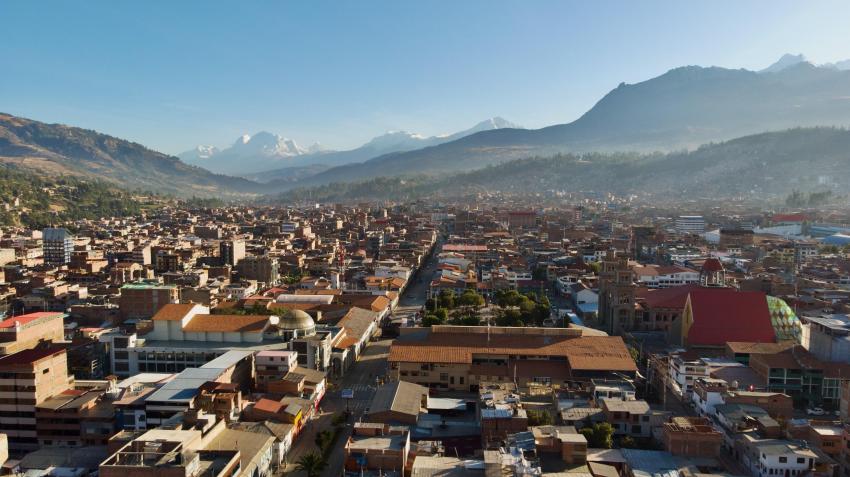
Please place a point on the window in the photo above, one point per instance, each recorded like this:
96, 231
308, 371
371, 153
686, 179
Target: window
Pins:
801, 460
783, 460
45, 371
444, 376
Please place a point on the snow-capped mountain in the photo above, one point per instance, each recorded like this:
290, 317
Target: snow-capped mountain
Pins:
397, 141
787, 60
784, 62
249, 153
264, 151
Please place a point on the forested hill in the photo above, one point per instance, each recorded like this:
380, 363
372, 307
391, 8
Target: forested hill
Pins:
56, 149
768, 165
36, 202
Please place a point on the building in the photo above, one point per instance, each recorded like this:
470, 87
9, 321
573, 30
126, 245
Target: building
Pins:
655, 276
273, 366
691, 437
632, 418
828, 337
75, 418
29, 378
773, 457
26, 331
172, 453
461, 357
57, 245
500, 413
736, 238
261, 269
616, 295
690, 224
714, 316
398, 402
377, 447
231, 252
142, 300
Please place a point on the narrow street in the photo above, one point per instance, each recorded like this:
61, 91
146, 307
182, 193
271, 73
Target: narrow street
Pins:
360, 378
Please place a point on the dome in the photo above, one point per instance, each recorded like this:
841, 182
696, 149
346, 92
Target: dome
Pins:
296, 320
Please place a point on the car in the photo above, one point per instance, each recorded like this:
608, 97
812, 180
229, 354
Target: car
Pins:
815, 411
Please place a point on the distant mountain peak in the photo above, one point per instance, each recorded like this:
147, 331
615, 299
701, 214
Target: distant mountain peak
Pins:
785, 61
497, 122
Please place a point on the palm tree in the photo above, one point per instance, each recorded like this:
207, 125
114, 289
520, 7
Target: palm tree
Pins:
313, 464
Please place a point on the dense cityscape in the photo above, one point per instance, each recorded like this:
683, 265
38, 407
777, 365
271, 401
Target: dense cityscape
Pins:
419, 338
474, 238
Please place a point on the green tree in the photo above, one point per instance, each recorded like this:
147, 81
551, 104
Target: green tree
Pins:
599, 436
509, 317
442, 314
469, 298
539, 417
446, 299
466, 320
628, 442
431, 320
312, 464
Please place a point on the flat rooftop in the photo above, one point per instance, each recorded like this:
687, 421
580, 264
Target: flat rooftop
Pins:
392, 442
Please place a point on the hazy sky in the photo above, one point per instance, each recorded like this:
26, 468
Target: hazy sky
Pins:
173, 74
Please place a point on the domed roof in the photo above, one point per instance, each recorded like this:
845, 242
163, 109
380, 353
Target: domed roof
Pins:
296, 320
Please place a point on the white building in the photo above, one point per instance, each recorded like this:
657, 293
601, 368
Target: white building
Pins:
828, 338
690, 224
683, 373
656, 276
777, 457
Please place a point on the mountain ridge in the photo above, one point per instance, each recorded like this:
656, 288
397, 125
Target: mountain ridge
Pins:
680, 109
59, 149
281, 155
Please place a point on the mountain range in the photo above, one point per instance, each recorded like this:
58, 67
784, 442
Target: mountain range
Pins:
679, 110
763, 167
267, 157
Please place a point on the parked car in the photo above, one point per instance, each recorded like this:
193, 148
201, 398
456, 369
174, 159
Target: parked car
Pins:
815, 411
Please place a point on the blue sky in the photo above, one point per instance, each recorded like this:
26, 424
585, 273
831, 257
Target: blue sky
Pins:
171, 75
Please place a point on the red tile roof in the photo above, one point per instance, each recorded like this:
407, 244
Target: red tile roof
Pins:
724, 314
673, 297
790, 218
173, 312
24, 319
587, 353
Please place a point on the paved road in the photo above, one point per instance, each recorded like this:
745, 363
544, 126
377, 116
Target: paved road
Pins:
361, 378
413, 299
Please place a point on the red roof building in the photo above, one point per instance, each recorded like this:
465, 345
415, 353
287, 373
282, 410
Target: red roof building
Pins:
714, 316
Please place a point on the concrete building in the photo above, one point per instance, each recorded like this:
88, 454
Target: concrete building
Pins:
827, 337
398, 402
273, 365
27, 379
57, 245
690, 224
462, 357
691, 437
26, 331
141, 300
261, 269
231, 252
377, 447
172, 453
